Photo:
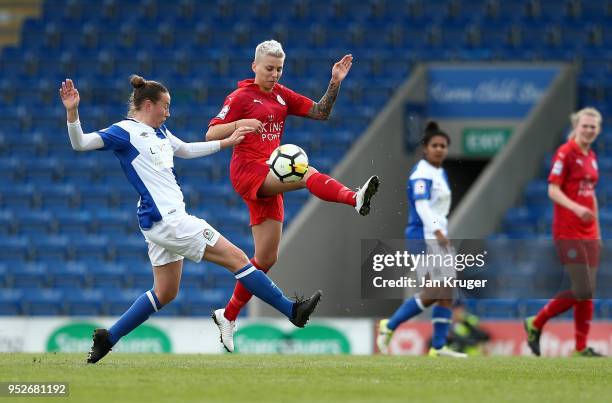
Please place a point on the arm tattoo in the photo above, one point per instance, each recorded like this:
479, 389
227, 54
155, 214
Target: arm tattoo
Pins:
322, 109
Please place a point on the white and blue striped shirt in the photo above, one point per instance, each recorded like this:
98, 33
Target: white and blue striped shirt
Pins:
147, 158
429, 195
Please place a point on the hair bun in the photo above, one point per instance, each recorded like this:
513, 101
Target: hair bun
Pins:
432, 127
137, 81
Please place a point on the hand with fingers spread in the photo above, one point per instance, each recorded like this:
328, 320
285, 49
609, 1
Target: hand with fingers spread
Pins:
254, 124
341, 68
237, 136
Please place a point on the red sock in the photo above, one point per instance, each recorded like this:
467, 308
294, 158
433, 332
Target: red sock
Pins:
240, 297
583, 313
556, 306
327, 188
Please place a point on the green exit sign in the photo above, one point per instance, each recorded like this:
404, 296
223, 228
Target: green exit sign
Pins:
484, 141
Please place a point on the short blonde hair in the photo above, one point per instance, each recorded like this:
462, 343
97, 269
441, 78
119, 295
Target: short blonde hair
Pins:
269, 48
588, 111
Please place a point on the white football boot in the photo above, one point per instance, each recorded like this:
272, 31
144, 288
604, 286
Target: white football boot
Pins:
226, 329
364, 195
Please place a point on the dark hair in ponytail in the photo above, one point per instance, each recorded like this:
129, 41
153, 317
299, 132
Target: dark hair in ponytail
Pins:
432, 130
143, 90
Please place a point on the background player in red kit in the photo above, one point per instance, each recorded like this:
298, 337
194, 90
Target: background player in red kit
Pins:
575, 230
264, 104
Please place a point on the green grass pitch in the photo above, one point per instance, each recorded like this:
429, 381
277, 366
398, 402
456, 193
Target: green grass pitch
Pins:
277, 378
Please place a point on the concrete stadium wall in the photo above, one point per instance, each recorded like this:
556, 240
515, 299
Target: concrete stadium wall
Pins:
499, 186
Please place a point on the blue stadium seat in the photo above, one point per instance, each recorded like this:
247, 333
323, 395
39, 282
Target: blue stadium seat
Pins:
85, 303
14, 248
30, 275
50, 247
108, 275
40, 302
68, 275
10, 301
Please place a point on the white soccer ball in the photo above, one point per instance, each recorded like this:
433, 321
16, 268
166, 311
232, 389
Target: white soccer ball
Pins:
289, 163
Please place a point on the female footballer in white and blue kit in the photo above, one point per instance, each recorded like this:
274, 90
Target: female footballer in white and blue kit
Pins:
146, 149
430, 199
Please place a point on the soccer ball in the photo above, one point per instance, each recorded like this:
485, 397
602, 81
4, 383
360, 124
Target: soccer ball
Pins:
288, 162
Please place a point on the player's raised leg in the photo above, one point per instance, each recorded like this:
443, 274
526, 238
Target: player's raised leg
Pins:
325, 188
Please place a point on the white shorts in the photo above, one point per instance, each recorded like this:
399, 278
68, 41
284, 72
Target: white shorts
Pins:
172, 239
433, 267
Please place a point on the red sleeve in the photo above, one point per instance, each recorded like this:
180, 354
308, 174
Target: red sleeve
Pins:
559, 170
230, 111
297, 104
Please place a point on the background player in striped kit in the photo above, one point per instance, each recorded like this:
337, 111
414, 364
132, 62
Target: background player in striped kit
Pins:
429, 194
146, 149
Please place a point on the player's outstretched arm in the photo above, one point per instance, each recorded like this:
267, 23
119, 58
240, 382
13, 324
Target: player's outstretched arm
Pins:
224, 130
80, 141
322, 110
203, 148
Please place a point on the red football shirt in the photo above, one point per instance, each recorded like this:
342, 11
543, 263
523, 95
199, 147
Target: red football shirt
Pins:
576, 174
270, 108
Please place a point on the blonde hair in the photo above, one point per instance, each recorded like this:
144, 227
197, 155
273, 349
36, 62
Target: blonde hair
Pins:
588, 111
269, 48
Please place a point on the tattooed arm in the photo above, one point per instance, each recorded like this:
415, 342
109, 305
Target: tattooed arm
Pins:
322, 109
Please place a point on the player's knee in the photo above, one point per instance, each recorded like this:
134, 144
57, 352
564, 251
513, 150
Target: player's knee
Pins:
266, 261
237, 259
583, 294
166, 295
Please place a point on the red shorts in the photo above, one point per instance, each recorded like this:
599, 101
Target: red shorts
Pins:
247, 177
578, 251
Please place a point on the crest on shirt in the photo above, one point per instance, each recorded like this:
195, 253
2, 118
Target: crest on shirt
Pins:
594, 163
579, 162
223, 112
557, 168
419, 187
280, 100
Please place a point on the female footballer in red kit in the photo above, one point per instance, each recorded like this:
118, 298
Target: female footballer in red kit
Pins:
264, 104
575, 230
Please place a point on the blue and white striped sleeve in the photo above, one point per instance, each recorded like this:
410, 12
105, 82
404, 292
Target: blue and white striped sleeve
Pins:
419, 189
114, 138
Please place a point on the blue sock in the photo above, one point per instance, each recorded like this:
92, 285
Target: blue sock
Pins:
407, 310
140, 311
262, 287
441, 319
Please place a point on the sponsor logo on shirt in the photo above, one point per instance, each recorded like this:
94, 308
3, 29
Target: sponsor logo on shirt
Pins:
557, 168
223, 112
594, 163
144, 135
257, 100
280, 100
